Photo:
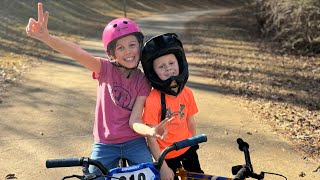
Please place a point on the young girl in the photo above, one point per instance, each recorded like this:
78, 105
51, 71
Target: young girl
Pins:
122, 89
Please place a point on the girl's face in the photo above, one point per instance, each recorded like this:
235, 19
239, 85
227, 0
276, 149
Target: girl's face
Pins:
127, 51
166, 66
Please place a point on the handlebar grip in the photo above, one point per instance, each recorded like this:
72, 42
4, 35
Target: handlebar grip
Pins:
242, 145
66, 162
190, 141
242, 174
239, 141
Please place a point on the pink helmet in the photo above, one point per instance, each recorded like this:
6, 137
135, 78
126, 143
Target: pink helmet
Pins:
118, 28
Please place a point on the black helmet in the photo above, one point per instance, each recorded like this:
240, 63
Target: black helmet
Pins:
160, 45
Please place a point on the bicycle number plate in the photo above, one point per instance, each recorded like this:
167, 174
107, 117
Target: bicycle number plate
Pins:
144, 171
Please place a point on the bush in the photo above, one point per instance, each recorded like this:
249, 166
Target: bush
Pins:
293, 23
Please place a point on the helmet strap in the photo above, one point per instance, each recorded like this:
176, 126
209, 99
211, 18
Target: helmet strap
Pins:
115, 63
163, 106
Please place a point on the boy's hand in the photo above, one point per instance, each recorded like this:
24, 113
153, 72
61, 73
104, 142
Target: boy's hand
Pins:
166, 173
160, 131
38, 29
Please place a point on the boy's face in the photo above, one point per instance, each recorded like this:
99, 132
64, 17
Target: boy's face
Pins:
166, 66
127, 51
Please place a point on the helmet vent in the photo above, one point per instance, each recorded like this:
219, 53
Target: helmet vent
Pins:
115, 25
125, 22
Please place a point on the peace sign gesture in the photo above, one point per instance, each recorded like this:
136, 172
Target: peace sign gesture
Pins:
38, 29
160, 129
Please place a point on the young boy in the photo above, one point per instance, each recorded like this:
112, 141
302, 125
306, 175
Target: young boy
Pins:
165, 66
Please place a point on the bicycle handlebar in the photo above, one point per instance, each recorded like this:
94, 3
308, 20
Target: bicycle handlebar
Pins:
240, 171
180, 145
190, 141
85, 162
70, 162
245, 171
66, 162
244, 146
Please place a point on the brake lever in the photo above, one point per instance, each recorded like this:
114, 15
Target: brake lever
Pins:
257, 176
90, 176
72, 176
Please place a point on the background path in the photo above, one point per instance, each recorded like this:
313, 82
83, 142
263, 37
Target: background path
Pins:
50, 115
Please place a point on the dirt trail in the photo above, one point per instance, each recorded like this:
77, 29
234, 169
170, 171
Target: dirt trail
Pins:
50, 114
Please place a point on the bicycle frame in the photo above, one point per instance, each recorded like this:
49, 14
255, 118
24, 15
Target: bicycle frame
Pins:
186, 175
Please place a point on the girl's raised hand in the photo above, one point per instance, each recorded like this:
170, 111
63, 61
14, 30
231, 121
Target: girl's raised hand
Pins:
38, 29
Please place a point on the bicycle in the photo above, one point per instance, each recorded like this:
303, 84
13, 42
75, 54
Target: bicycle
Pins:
146, 171
240, 171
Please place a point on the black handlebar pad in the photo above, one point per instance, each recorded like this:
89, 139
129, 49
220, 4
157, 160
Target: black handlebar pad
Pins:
242, 174
66, 162
190, 141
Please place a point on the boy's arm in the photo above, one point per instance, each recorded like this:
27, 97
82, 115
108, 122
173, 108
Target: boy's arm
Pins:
39, 30
136, 123
192, 125
165, 172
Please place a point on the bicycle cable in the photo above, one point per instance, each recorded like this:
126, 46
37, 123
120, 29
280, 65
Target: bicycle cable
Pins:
275, 174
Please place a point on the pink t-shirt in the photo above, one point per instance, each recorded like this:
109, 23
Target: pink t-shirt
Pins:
116, 96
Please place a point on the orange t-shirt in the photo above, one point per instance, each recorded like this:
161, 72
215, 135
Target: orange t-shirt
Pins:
180, 108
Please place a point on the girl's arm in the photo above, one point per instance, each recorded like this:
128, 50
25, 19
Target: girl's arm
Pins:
165, 172
39, 30
192, 125
136, 123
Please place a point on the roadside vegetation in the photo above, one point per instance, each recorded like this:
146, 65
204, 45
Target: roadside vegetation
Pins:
294, 24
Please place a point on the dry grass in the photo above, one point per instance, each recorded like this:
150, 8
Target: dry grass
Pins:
294, 24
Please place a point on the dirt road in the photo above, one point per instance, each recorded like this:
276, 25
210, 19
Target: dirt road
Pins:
49, 114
